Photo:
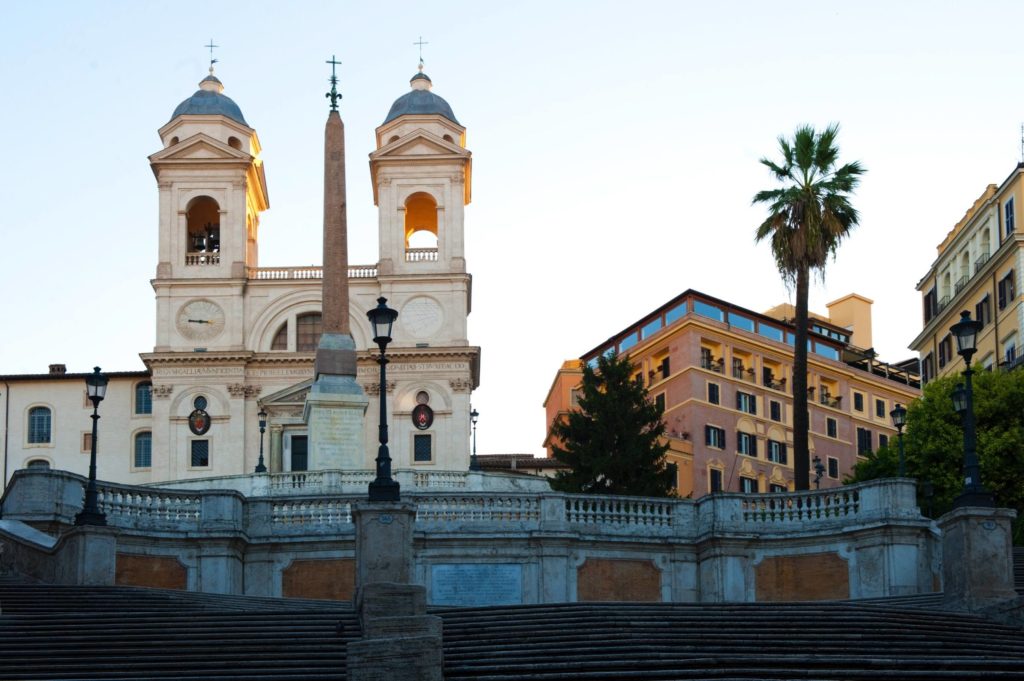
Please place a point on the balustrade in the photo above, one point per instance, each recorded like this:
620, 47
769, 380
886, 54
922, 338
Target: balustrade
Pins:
801, 506
142, 508
311, 512
591, 510
421, 255
479, 508
202, 258
307, 272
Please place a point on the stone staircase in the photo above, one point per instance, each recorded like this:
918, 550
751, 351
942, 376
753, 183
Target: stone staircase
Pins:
63, 632
822, 640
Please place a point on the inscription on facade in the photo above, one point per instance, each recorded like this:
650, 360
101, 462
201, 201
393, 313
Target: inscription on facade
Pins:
396, 367
476, 584
199, 371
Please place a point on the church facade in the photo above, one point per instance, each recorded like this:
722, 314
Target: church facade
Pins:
234, 338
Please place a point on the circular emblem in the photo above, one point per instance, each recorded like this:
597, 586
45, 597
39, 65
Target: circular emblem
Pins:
422, 416
421, 317
200, 320
198, 422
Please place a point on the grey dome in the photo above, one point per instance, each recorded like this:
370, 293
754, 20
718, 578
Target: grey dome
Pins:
420, 102
208, 101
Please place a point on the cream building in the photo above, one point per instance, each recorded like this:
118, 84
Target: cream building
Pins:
977, 269
233, 337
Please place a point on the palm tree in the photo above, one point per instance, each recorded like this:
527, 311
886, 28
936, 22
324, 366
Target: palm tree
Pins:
807, 218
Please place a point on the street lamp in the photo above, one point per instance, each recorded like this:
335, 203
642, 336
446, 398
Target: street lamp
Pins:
260, 468
899, 419
474, 464
966, 333
819, 471
383, 488
95, 390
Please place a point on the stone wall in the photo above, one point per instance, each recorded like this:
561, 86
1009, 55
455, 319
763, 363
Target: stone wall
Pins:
859, 541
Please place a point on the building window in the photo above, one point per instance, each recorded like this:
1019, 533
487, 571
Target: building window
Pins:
299, 458
945, 350
863, 441
38, 464
143, 454
421, 448
714, 437
280, 341
746, 402
673, 469
858, 401
1006, 290
748, 485
39, 421
831, 427
200, 453
775, 410
777, 489
883, 440
880, 408
931, 305
659, 402
638, 378
713, 395
664, 368
746, 444
777, 452
308, 328
715, 480
983, 310
144, 398
927, 368
833, 467
1010, 219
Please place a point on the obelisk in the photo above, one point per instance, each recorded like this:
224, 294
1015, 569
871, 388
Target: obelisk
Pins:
336, 404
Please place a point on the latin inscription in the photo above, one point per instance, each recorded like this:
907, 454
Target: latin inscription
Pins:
476, 584
402, 368
200, 371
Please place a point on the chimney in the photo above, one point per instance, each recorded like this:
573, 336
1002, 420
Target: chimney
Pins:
58, 369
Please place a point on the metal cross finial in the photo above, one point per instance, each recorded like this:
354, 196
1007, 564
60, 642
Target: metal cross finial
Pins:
212, 60
420, 43
333, 95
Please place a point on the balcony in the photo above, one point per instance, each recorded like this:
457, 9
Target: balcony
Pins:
421, 255
202, 258
712, 364
980, 262
779, 385
961, 284
830, 401
307, 272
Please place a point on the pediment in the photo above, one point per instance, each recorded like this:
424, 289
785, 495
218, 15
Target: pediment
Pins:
293, 394
419, 143
199, 147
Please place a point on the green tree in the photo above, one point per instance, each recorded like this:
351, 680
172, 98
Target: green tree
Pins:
807, 219
934, 443
612, 442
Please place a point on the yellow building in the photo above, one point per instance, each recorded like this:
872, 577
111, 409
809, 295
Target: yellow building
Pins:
723, 374
978, 270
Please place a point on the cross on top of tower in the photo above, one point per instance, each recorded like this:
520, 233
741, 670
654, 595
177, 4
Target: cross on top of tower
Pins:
333, 95
420, 43
212, 60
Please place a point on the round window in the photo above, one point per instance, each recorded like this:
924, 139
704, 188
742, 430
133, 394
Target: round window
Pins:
422, 397
199, 402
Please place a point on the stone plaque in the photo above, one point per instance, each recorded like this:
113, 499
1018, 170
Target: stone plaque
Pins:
476, 584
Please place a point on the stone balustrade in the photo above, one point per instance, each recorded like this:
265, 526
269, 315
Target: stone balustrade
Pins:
307, 272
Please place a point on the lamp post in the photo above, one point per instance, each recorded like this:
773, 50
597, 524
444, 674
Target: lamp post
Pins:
966, 333
899, 419
260, 468
474, 464
383, 488
96, 390
819, 471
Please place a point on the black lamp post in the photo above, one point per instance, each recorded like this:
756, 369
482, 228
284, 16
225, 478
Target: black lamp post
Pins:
966, 333
96, 390
819, 471
260, 468
383, 488
474, 464
899, 419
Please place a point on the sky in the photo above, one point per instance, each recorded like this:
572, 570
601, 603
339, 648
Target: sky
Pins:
615, 154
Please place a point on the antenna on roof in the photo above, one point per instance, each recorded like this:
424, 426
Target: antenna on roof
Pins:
212, 60
420, 43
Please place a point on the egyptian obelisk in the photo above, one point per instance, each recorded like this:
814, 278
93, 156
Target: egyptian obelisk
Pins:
336, 404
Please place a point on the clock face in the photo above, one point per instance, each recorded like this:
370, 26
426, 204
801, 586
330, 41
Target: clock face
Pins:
421, 317
200, 320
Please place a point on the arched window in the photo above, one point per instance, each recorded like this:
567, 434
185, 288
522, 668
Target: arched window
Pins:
143, 450
203, 219
308, 328
281, 339
39, 421
144, 398
234, 143
38, 464
421, 233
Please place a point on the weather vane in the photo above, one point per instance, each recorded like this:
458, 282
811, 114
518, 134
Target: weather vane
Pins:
333, 94
212, 60
420, 43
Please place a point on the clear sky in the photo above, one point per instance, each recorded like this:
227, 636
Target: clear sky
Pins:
615, 155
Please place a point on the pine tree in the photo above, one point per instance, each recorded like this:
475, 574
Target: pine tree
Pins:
612, 442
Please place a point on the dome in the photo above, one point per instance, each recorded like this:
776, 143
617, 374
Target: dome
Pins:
208, 100
420, 100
